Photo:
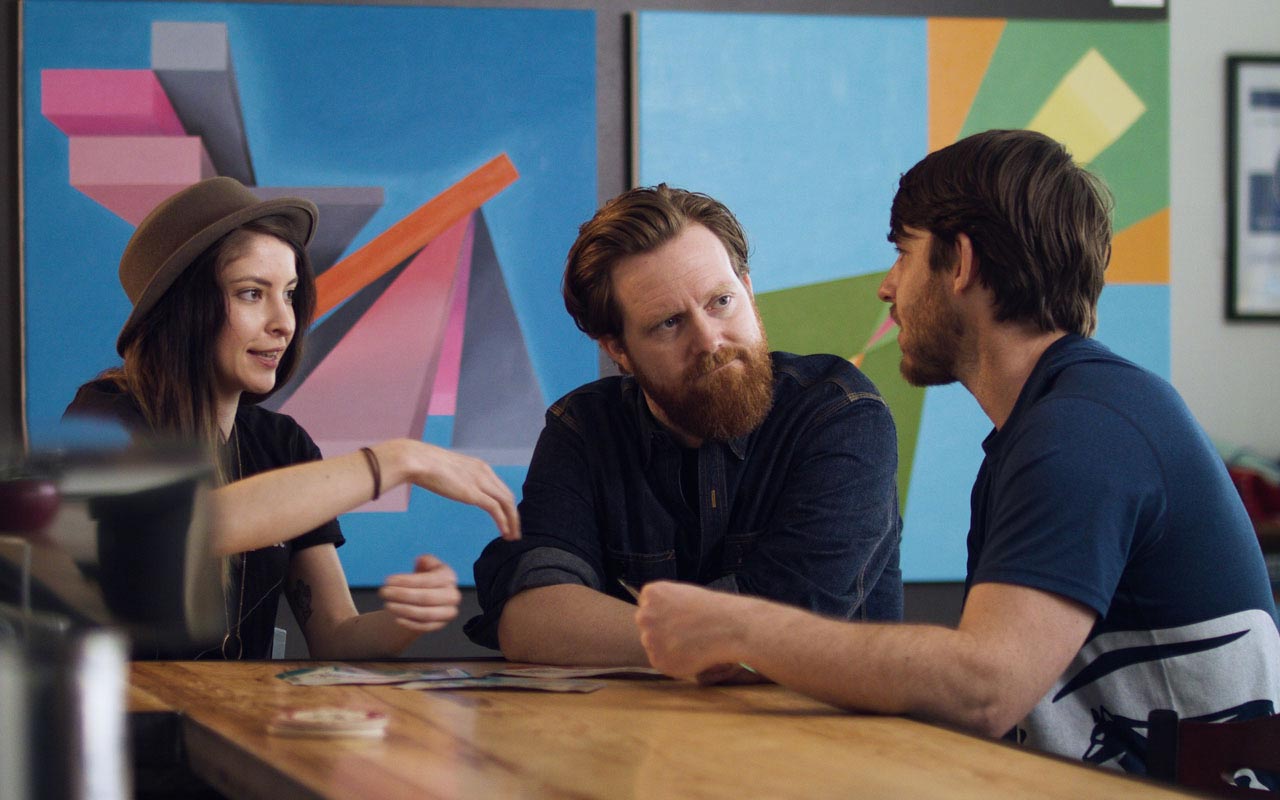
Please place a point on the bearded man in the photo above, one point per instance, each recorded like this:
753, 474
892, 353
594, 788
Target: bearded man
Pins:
1112, 571
709, 460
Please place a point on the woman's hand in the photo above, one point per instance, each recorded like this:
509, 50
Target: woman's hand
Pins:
424, 600
458, 477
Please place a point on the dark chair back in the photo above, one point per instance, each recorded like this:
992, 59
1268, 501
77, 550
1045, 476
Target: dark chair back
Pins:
1205, 755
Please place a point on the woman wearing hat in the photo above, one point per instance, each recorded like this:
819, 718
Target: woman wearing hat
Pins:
222, 294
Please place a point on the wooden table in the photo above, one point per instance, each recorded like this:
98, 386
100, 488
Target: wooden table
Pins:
634, 739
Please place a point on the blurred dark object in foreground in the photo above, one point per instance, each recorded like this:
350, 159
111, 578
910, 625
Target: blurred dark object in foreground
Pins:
105, 550
127, 545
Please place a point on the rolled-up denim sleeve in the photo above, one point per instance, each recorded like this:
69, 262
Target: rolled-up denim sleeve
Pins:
832, 543
560, 540
550, 566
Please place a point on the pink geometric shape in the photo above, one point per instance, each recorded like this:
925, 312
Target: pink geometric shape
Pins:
107, 102
130, 175
376, 383
444, 395
885, 326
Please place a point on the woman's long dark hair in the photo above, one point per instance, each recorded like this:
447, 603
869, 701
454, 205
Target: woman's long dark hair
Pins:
169, 361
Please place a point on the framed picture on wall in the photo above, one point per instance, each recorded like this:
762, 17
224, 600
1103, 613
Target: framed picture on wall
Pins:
1253, 175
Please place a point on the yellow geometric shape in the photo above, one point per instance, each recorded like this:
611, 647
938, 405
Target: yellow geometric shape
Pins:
1140, 252
1089, 109
959, 52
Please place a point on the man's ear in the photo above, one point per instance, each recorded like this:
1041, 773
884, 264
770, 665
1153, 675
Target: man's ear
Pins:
746, 281
965, 271
615, 350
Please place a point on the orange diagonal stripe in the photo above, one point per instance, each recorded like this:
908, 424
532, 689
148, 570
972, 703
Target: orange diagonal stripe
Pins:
1140, 252
959, 52
412, 233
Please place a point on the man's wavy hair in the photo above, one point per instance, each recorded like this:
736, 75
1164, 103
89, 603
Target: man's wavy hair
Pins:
637, 221
1040, 224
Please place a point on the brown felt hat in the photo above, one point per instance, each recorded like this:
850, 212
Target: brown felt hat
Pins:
182, 227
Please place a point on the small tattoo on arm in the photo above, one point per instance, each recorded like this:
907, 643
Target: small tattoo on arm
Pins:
300, 600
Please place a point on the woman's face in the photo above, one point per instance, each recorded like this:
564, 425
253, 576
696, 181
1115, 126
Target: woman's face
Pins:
257, 285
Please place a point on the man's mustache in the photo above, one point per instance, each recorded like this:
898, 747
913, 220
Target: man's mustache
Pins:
710, 362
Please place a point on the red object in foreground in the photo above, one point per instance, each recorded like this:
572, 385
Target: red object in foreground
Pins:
27, 505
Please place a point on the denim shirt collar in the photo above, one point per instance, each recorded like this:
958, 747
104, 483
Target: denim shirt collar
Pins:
650, 430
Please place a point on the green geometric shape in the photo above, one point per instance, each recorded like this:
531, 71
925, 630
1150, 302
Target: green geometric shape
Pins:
1034, 55
831, 317
840, 317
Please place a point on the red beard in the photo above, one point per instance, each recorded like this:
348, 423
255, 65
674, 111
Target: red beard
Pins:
712, 403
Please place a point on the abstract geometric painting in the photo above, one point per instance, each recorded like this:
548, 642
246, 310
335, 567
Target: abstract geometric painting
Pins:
803, 124
451, 164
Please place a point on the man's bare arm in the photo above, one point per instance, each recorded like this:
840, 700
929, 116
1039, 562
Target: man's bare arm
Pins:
1012, 643
570, 624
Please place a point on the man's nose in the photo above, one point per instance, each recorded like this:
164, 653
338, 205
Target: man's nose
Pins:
706, 333
888, 286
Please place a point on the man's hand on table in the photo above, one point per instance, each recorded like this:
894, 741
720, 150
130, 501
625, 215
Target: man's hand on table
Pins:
695, 633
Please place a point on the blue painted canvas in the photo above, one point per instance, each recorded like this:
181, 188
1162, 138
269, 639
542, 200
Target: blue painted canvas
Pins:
408, 99
802, 125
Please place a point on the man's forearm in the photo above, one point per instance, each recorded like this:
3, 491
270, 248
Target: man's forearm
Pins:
1012, 643
916, 670
570, 624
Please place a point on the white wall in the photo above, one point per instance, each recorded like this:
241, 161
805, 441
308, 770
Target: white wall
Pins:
1228, 372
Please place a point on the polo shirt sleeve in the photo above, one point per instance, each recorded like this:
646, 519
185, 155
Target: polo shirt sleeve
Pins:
1065, 500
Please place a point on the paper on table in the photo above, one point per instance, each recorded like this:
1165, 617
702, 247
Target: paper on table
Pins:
505, 682
343, 675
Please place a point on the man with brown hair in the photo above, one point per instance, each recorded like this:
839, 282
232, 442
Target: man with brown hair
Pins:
1112, 568
710, 460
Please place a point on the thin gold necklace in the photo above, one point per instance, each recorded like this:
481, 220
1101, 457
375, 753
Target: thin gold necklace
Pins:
227, 641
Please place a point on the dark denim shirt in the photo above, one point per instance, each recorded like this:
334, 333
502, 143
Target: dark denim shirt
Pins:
803, 510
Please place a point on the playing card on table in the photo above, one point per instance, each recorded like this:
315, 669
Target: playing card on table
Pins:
343, 674
580, 672
505, 682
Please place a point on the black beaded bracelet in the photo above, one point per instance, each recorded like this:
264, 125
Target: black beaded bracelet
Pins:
376, 469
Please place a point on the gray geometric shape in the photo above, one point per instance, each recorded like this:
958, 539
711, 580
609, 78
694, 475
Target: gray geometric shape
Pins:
344, 211
193, 62
500, 406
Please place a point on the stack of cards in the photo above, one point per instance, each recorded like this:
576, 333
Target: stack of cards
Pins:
345, 674
328, 721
